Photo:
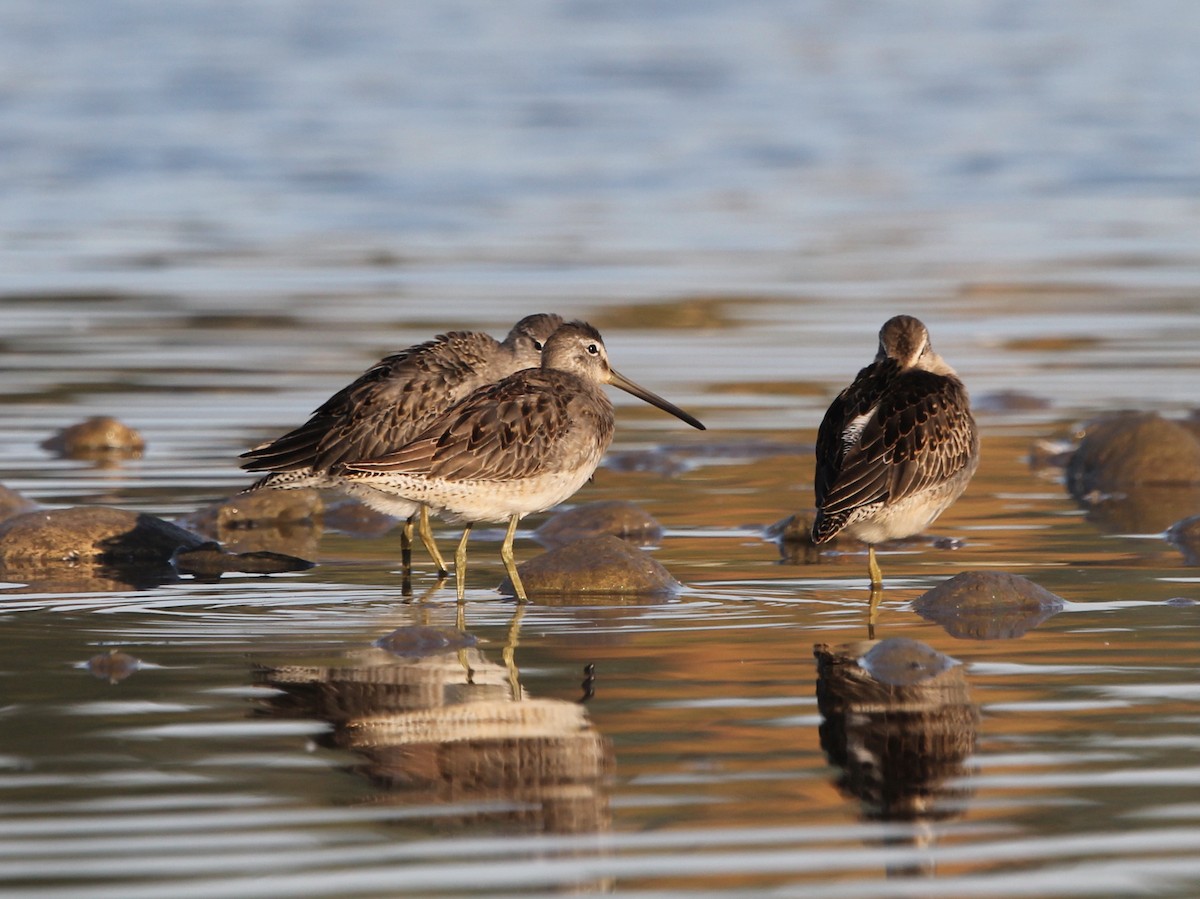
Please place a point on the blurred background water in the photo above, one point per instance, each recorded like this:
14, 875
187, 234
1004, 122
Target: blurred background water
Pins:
214, 214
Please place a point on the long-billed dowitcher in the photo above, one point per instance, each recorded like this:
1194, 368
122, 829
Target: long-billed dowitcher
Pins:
896, 447
516, 447
389, 405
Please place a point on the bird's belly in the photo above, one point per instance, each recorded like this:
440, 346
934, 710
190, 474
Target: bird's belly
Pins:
380, 500
911, 515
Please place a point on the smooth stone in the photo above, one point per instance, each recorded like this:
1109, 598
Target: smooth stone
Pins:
604, 565
987, 605
100, 436
1185, 535
262, 508
211, 560
91, 533
616, 517
794, 537
1131, 449
13, 503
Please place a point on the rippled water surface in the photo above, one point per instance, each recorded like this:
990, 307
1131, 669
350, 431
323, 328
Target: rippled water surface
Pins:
215, 215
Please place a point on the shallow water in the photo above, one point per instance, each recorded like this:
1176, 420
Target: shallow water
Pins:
212, 221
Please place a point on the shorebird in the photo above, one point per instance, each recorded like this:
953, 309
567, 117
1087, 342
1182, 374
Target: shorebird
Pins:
513, 448
389, 405
896, 447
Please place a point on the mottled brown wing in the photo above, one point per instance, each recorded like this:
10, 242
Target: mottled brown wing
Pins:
920, 434
507, 431
382, 410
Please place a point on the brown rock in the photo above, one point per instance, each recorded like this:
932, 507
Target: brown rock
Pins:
98, 437
98, 533
616, 517
1185, 535
1131, 449
210, 560
604, 565
987, 605
261, 508
13, 503
113, 666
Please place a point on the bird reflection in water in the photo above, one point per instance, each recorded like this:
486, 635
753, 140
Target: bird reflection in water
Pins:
899, 723
435, 721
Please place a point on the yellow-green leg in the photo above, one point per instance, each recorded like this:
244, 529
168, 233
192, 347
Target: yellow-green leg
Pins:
460, 564
427, 539
510, 563
873, 568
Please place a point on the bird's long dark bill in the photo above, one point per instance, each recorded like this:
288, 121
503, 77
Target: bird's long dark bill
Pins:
619, 380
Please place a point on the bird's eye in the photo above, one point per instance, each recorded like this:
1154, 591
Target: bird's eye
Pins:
537, 345
593, 349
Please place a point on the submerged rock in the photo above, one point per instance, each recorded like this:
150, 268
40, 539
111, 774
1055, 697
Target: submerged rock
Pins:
1136, 472
1185, 535
262, 508
794, 537
604, 565
617, 517
988, 605
91, 533
211, 560
1131, 449
113, 666
99, 437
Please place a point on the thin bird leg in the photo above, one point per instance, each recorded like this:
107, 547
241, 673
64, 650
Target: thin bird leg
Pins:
406, 533
510, 564
430, 545
460, 563
873, 567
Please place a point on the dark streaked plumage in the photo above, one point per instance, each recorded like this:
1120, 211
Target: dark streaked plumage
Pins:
897, 447
391, 403
519, 446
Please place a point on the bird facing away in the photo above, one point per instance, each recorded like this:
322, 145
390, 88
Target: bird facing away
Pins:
389, 405
513, 448
897, 447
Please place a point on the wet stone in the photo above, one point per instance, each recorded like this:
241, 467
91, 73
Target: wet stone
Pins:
987, 605
211, 560
1185, 535
96, 533
1131, 449
794, 537
262, 508
13, 503
98, 437
604, 565
619, 518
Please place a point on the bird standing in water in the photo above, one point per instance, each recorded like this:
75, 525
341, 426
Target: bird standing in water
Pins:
389, 405
896, 448
516, 447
